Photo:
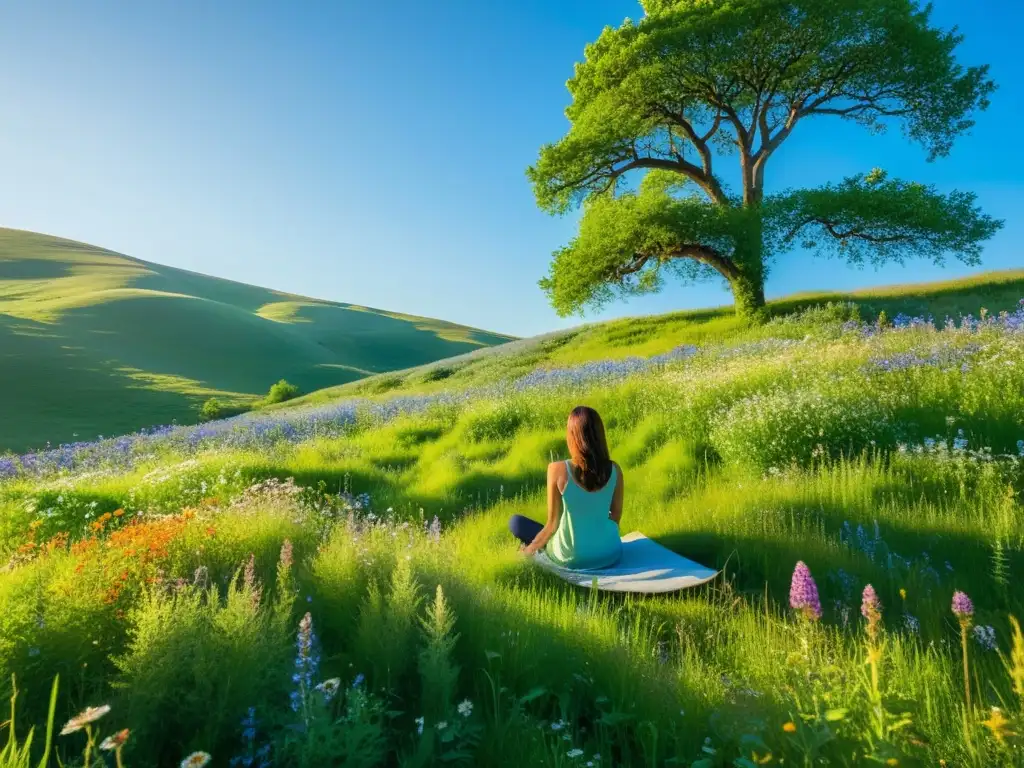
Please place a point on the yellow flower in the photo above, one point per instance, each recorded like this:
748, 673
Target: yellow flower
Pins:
903, 593
997, 724
789, 727
892, 761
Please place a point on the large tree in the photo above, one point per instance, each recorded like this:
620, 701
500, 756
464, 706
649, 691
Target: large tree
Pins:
664, 99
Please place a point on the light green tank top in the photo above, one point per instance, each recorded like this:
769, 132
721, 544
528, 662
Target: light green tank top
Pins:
586, 537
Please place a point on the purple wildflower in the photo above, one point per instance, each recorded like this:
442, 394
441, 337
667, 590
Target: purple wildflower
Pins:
803, 592
871, 609
870, 605
963, 608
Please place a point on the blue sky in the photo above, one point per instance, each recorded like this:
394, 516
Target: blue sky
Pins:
375, 152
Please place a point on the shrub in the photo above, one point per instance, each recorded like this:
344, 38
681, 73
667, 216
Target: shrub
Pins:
281, 392
214, 409
211, 410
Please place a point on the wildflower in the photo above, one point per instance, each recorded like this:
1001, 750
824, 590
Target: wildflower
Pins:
84, 718
985, 637
558, 725
359, 680
329, 687
911, 623
574, 753
963, 608
803, 593
903, 594
442, 725
419, 725
789, 727
197, 760
466, 708
114, 741
997, 724
870, 606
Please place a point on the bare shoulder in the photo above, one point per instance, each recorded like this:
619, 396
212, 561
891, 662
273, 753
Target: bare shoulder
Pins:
556, 469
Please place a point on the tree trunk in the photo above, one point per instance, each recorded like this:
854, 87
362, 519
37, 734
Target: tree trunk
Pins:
748, 295
747, 282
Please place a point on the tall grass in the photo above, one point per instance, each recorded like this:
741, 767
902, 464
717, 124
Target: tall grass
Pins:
369, 577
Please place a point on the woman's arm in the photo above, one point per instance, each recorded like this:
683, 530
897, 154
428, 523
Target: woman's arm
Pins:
554, 512
616, 511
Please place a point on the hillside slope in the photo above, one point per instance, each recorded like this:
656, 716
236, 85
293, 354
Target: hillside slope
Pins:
95, 342
652, 335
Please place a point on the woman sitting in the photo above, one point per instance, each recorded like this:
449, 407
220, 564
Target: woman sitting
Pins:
584, 502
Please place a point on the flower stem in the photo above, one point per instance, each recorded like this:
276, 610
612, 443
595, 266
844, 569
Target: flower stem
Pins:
88, 746
117, 756
967, 671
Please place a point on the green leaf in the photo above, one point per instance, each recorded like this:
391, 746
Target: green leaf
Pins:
834, 715
535, 693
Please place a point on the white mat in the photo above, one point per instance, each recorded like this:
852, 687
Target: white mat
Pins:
645, 566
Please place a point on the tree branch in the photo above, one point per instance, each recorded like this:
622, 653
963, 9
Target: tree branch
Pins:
703, 253
830, 227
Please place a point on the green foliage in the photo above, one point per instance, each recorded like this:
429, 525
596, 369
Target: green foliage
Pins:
19, 755
599, 265
873, 219
281, 392
438, 674
214, 409
386, 635
186, 676
692, 80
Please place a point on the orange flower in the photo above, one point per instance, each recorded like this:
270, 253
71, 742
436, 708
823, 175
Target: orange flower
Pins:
789, 727
211, 531
118, 512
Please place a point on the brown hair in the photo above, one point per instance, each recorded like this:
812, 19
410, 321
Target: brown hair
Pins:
588, 447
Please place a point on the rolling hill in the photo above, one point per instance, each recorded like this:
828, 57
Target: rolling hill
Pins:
96, 342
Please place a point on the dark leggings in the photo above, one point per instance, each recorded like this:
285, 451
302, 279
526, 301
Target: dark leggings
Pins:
524, 529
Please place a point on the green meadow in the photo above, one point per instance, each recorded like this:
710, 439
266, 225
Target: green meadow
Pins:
355, 598
94, 342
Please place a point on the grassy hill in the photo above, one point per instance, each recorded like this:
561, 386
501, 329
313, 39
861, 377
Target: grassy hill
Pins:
353, 547
95, 342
